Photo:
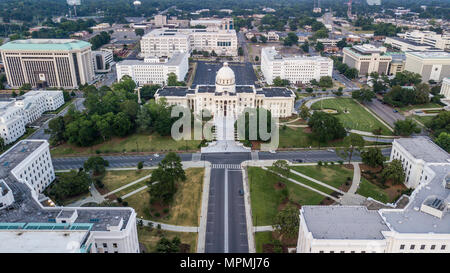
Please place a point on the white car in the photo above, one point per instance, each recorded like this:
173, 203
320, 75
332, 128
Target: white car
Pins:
272, 152
156, 155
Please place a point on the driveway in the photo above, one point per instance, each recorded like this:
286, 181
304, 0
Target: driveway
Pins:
385, 112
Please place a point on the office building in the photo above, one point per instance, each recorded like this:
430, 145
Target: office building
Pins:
44, 63
21, 111
154, 70
367, 58
408, 45
165, 42
224, 23
27, 226
420, 227
429, 38
445, 88
431, 65
102, 60
298, 69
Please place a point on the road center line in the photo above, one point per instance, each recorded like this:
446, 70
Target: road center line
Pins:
226, 213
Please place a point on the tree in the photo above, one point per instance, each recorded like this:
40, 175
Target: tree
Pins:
144, 119
126, 83
57, 127
97, 164
25, 87
342, 43
165, 245
326, 81
240, 51
305, 47
363, 95
140, 165
148, 91
287, 222
421, 93
277, 81
406, 78
405, 127
304, 112
254, 39
282, 167
372, 157
325, 127
394, 172
443, 140
139, 32
169, 172
291, 39
440, 123
263, 39
2, 144
351, 142
121, 124
319, 46
172, 79
69, 184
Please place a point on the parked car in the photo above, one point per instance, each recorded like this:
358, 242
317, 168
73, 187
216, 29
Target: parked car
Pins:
241, 192
298, 160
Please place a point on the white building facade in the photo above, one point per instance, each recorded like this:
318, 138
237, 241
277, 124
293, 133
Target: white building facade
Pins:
429, 38
445, 88
296, 69
367, 58
166, 42
225, 98
431, 65
420, 227
154, 70
16, 114
102, 59
44, 63
26, 170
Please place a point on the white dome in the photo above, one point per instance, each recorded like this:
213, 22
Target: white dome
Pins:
225, 75
136, 3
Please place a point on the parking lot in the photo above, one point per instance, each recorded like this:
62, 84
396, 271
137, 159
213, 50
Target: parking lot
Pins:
206, 73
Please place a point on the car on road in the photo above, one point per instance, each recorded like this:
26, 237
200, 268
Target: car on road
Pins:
241, 192
156, 155
272, 152
395, 111
298, 160
330, 150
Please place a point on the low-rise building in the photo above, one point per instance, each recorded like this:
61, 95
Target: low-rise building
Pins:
165, 42
297, 69
154, 70
445, 88
27, 226
408, 45
420, 227
23, 110
102, 60
430, 38
431, 65
398, 62
367, 58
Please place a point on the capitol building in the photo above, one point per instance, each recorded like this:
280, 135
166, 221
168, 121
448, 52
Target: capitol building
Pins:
225, 98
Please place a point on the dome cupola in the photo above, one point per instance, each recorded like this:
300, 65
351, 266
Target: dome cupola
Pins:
225, 79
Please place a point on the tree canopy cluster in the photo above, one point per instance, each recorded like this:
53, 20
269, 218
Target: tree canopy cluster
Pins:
69, 184
325, 127
400, 97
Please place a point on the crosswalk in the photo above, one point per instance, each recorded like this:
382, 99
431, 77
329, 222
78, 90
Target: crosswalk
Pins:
226, 166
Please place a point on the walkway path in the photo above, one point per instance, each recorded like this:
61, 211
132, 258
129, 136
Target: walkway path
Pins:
133, 192
303, 185
95, 197
263, 228
170, 227
317, 181
356, 178
127, 185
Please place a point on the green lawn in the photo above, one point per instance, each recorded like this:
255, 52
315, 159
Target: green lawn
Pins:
419, 106
297, 138
265, 199
368, 189
423, 119
116, 179
332, 175
149, 238
358, 118
262, 238
310, 183
136, 142
185, 208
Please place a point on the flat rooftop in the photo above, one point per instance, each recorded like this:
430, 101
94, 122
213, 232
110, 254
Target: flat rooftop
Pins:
176, 59
344, 222
34, 241
430, 54
425, 149
45, 44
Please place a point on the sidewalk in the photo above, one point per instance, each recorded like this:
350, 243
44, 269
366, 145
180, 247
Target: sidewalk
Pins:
356, 178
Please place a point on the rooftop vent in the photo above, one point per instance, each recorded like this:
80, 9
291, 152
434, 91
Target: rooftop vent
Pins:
434, 206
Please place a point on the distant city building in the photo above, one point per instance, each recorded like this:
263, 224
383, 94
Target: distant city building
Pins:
420, 227
431, 65
154, 70
408, 45
328, 42
429, 38
160, 20
297, 69
445, 88
165, 42
27, 226
367, 59
101, 26
224, 23
102, 60
44, 63
23, 110
225, 98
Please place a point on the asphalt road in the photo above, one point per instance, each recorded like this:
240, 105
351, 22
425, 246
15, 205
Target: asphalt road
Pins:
385, 112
